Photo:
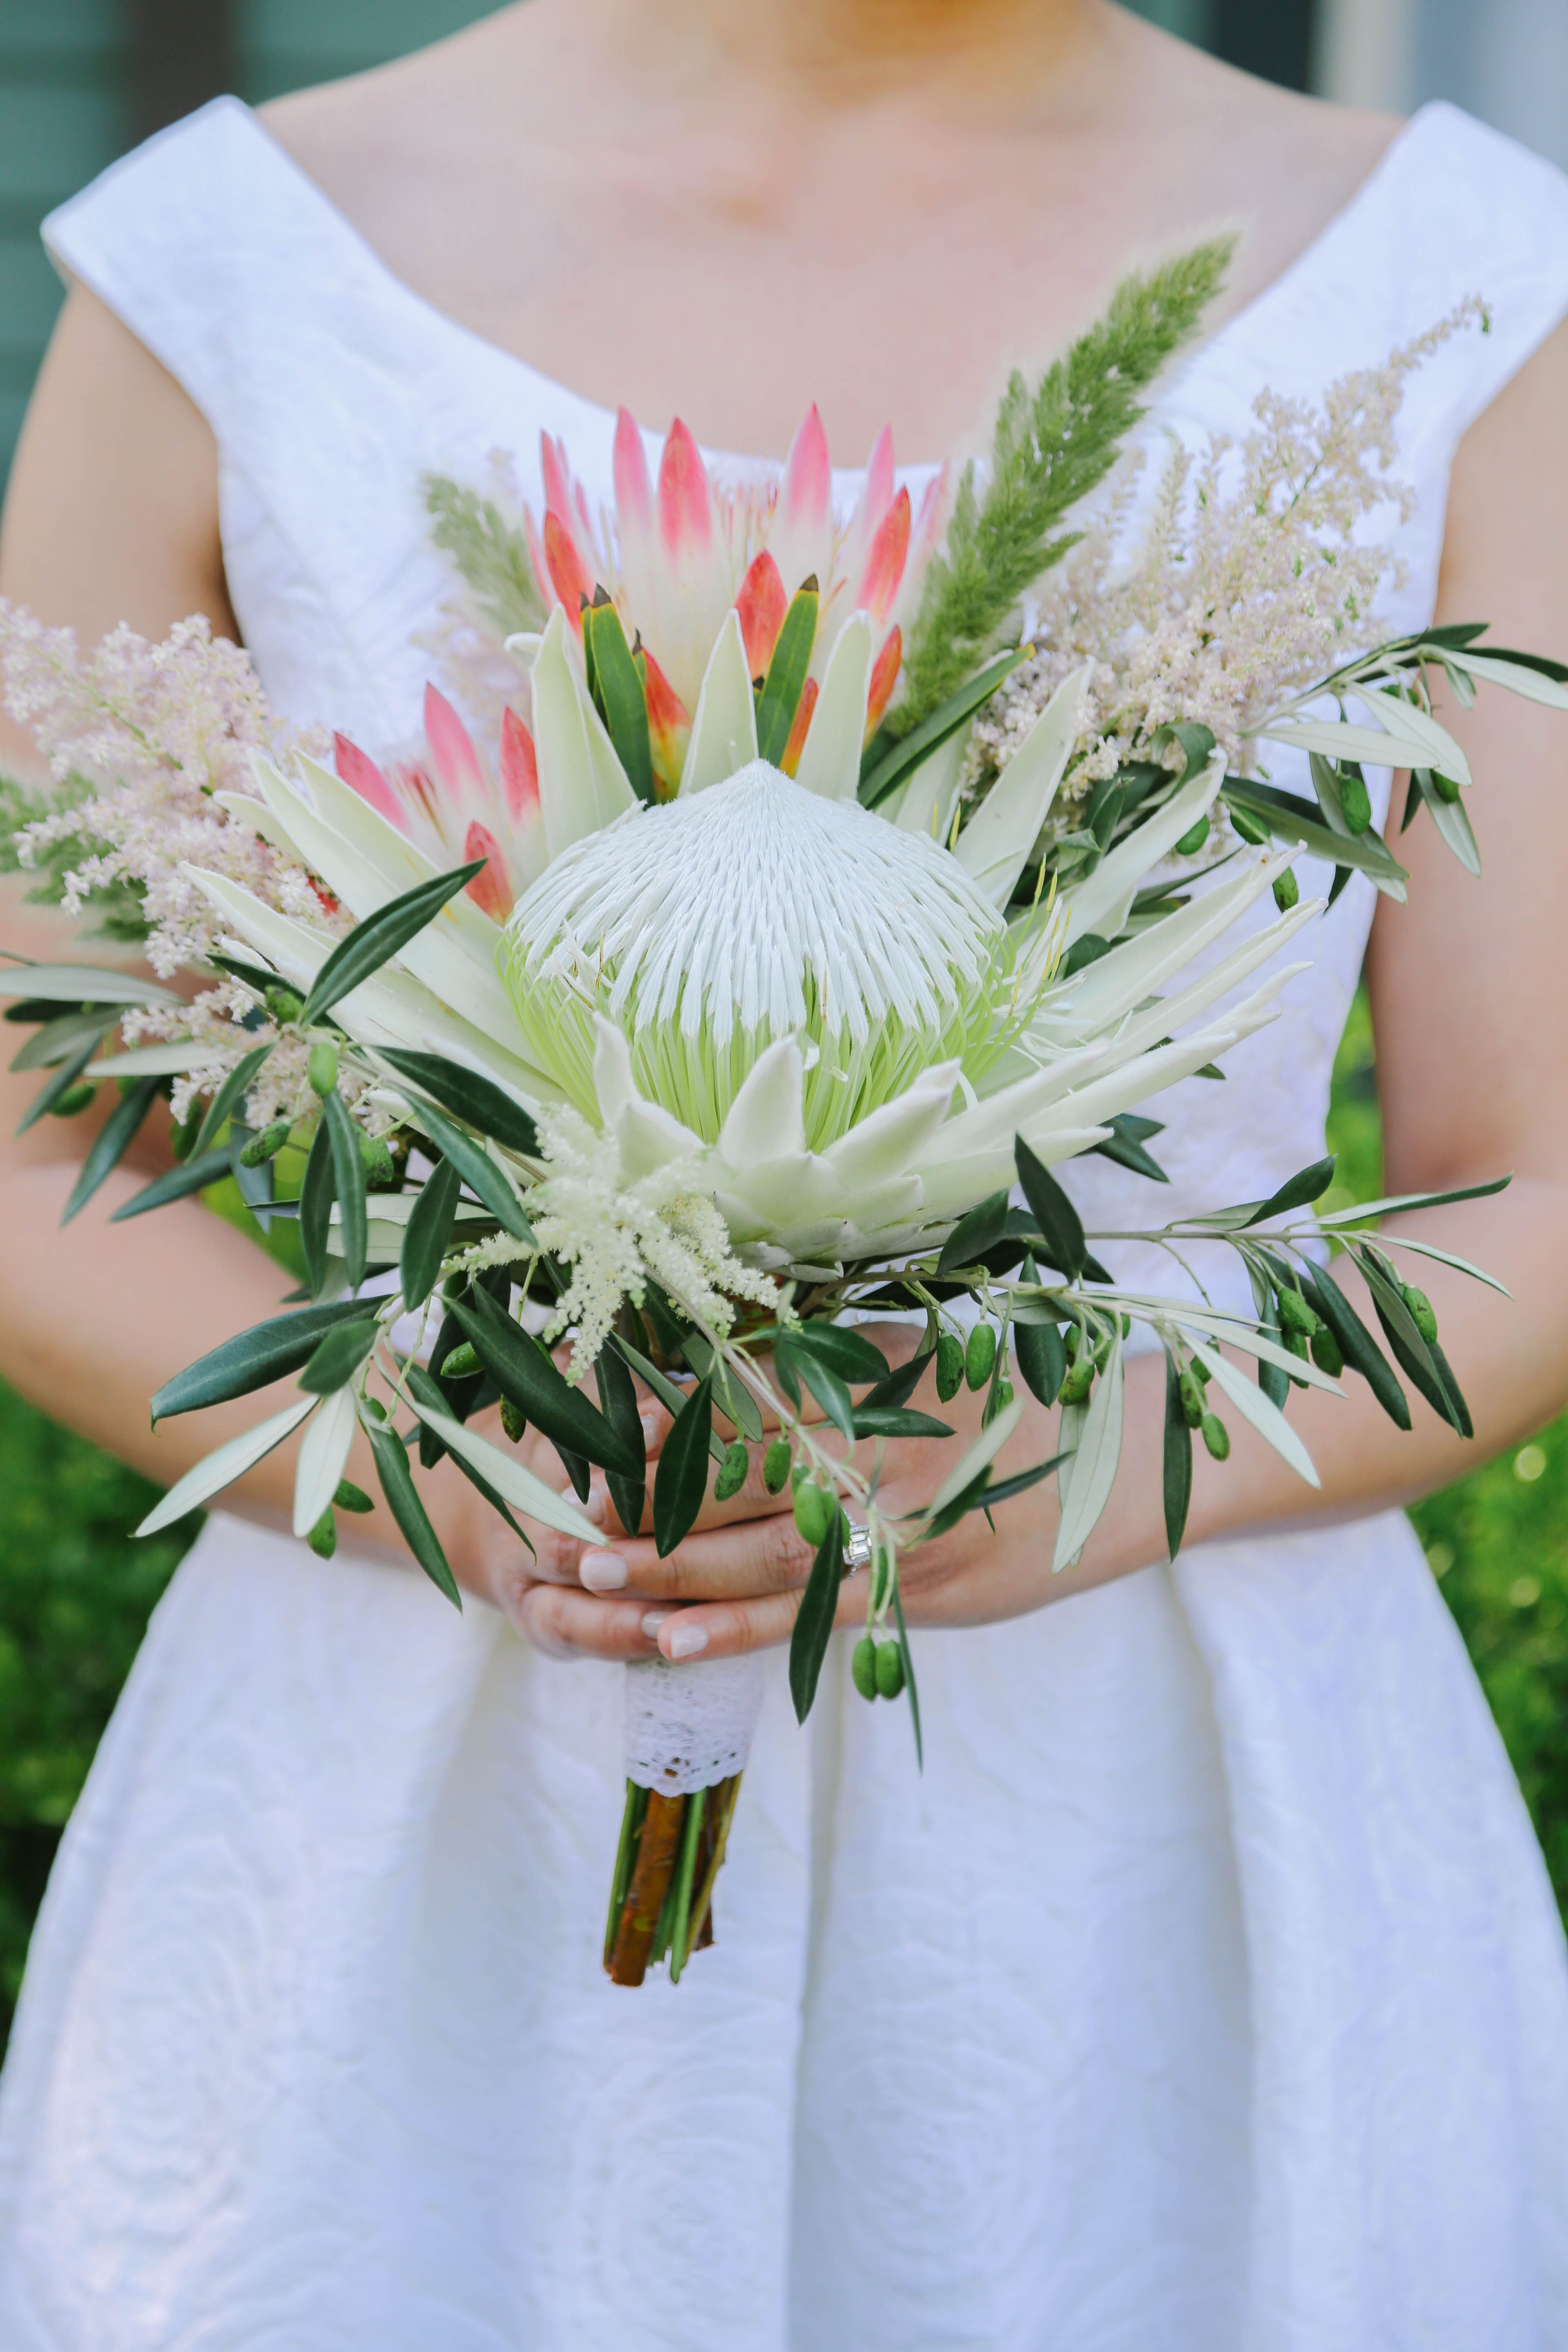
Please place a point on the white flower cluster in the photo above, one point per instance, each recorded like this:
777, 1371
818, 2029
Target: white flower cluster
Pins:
157, 730
1253, 576
155, 733
615, 1236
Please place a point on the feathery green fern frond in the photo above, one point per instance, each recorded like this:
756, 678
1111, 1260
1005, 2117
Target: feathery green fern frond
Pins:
490, 552
1051, 446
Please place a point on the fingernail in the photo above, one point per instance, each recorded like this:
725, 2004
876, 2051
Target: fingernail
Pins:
686, 1641
597, 1504
602, 1572
654, 1620
652, 1428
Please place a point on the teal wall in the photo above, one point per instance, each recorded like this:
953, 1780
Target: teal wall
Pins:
284, 44
63, 116
65, 112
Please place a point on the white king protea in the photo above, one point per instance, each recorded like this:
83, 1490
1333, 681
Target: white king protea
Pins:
822, 1018
826, 1013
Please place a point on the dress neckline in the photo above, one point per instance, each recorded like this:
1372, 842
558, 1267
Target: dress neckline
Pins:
1368, 192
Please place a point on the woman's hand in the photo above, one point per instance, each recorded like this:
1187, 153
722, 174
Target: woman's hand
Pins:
735, 1582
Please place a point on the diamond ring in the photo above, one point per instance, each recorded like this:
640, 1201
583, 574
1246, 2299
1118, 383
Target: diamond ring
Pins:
858, 1550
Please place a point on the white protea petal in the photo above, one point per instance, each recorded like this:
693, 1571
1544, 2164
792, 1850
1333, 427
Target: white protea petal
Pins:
781, 1194
453, 955
724, 730
830, 761
953, 1185
400, 862
256, 817
571, 786
1171, 1013
1107, 990
392, 1008
924, 803
1038, 1106
650, 1138
894, 1137
766, 1121
995, 843
614, 1084
1100, 903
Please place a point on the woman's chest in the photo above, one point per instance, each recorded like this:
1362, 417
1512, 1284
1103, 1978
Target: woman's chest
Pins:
890, 282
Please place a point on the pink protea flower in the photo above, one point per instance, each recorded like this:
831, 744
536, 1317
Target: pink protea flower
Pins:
679, 553
450, 804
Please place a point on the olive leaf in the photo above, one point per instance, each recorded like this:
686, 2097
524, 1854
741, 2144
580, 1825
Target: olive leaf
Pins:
110, 1144
252, 1359
524, 1372
814, 1619
681, 1479
1178, 1459
469, 1095
413, 1520
428, 1233
1061, 1228
375, 941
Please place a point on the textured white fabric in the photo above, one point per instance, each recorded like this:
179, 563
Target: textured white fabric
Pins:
1204, 1995
686, 1728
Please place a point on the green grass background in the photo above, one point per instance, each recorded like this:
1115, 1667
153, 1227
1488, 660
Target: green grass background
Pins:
76, 1591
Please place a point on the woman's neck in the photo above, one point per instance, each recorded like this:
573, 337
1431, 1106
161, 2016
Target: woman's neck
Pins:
826, 55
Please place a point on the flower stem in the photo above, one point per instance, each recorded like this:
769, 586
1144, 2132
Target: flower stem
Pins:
632, 1818
681, 1926
651, 1874
721, 1813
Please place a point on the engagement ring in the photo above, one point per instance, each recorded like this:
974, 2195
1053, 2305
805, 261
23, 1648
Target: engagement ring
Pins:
858, 1550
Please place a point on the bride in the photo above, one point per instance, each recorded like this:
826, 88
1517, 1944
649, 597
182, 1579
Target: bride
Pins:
1207, 1991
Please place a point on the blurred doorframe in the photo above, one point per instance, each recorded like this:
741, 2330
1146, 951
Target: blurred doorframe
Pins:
183, 52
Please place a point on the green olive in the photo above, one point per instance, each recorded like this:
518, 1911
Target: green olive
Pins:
816, 1511
733, 1472
980, 1356
890, 1670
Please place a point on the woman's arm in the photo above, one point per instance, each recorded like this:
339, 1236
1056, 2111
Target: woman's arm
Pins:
1469, 981
112, 515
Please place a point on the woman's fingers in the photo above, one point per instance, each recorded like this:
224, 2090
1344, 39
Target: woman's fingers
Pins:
565, 1623
754, 1555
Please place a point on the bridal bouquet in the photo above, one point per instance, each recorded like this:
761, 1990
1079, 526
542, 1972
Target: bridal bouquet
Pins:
832, 884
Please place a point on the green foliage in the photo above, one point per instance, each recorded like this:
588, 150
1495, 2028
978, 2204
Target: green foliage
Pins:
1498, 1543
1052, 447
490, 552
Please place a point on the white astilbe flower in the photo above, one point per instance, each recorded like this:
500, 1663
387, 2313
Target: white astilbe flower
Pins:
157, 731
1253, 576
613, 1235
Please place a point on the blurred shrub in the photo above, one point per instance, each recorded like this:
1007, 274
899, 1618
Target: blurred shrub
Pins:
75, 1595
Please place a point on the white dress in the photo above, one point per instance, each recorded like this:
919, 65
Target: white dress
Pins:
1206, 1993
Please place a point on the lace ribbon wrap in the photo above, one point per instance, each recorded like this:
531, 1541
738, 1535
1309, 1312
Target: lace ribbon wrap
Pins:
689, 1727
